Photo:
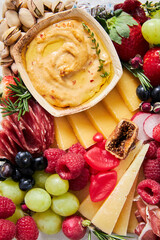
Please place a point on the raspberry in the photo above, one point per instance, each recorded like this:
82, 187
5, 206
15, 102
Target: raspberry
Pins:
7, 207
7, 229
156, 133
77, 148
130, 5
118, 6
149, 190
70, 165
26, 229
139, 15
151, 168
158, 152
152, 150
80, 182
52, 155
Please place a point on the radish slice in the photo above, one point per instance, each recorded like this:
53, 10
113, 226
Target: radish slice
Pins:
139, 119
150, 123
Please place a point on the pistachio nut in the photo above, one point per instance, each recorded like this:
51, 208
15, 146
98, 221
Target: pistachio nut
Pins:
3, 27
25, 29
4, 9
5, 52
12, 18
14, 68
11, 36
11, 50
10, 4
6, 62
68, 4
21, 4
57, 6
1, 47
47, 4
45, 16
26, 18
36, 7
6, 71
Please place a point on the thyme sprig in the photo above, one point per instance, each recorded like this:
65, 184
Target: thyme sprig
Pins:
98, 51
21, 94
139, 74
151, 7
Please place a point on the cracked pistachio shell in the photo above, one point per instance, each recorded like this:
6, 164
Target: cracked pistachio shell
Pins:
4, 9
11, 36
14, 68
6, 62
47, 4
1, 47
21, 4
26, 18
36, 7
12, 18
3, 27
5, 52
10, 4
45, 16
6, 71
68, 4
57, 6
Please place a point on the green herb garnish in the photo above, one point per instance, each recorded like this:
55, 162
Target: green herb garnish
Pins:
22, 95
98, 51
150, 7
139, 74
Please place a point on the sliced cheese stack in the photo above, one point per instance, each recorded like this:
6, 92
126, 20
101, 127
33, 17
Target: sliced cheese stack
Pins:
108, 214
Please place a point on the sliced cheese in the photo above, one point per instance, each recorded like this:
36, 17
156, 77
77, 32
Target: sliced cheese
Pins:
123, 220
108, 214
88, 208
82, 128
65, 136
116, 106
101, 119
127, 86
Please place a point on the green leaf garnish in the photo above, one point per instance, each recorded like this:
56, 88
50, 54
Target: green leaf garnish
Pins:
151, 7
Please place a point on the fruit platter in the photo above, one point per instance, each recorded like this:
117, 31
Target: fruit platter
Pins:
79, 120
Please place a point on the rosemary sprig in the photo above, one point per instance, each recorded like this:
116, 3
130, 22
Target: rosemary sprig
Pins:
21, 94
150, 7
98, 51
139, 74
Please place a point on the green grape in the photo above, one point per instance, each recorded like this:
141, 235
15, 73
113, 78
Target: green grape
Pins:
18, 214
40, 178
48, 222
10, 189
150, 31
37, 200
56, 185
65, 205
156, 14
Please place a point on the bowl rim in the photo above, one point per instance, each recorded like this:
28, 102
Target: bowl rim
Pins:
31, 33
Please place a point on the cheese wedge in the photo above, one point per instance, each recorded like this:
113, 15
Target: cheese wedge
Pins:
123, 220
88, 208
65, 136
82, 128
101, 119
127, 86
108, 214
116, 106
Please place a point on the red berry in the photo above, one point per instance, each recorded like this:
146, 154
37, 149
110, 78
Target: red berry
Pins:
139, 15
146, 107
7, 207
81, 181
77, 148
156, 133
151, 65
152, 150
72, 227
118, 6
70, 165
52, 155
149, 190
26, 229
7, 229
130, 5
151, 168
158, 152
98, 137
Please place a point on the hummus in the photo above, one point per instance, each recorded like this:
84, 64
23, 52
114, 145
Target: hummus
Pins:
62, 64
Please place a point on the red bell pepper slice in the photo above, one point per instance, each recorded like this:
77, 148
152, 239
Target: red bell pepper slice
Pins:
102, 184
100, 159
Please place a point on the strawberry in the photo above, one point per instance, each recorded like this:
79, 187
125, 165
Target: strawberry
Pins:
151, 65
4, 90
125, 32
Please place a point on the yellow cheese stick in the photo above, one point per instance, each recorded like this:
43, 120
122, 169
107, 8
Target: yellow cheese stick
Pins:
88, 208
101, 119
116, 106
123, 220
108, 214
65, 136
82, 128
